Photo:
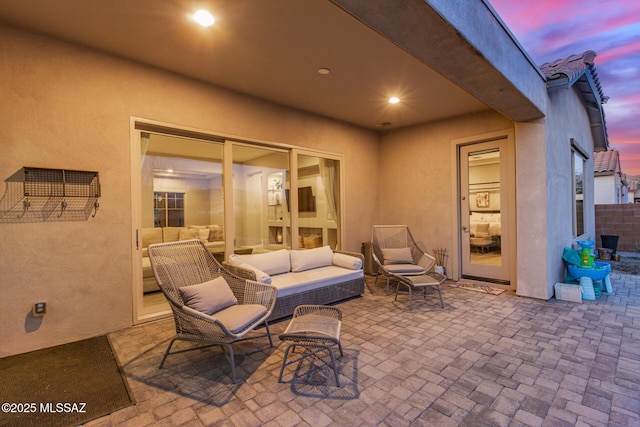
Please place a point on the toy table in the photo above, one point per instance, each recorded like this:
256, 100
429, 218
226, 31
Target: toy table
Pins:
586, 277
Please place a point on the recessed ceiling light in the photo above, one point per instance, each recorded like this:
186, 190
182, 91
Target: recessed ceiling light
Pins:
394, 100
324, 71
204, 18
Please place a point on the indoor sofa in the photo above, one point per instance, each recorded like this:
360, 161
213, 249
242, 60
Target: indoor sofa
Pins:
211, 235
309, 276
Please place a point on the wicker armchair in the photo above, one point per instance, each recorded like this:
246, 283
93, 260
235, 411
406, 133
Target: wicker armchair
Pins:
408, 259
184, 263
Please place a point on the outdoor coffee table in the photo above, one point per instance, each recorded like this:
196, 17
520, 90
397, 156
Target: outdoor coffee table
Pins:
315, 328
420, 282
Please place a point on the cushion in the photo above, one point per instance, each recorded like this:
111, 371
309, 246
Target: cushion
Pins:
171, 234
216, 233
482, 227
408, 269
316, 278
237, 317
208, 297
186, 234
307, 259
312, 241
275, 262
397, 256
347, 261
151, 236
203, 235
261, 276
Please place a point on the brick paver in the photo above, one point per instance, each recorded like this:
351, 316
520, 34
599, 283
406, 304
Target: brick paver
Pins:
482, 360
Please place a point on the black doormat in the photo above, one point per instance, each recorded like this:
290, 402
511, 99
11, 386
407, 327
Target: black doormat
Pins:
64, 385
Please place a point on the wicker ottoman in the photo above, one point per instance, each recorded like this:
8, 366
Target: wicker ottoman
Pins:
421, 282
314, 328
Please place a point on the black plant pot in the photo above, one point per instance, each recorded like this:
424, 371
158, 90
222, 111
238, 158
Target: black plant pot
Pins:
610, 242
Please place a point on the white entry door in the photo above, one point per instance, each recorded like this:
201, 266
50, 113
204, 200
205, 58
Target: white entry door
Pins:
486, 197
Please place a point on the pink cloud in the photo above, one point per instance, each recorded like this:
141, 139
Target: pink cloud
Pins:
551, 29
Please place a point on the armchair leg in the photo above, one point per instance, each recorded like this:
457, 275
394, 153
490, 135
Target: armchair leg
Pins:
266, 325
231, 359
167, 351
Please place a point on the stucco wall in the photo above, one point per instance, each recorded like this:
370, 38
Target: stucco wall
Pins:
566, 120
418, 174
68, 107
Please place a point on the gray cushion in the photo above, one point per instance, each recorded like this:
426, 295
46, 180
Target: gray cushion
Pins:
405, 269
397, 256
209, 297
237, 317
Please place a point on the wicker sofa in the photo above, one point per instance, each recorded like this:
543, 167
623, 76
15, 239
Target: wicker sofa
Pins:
310, 276
211, 235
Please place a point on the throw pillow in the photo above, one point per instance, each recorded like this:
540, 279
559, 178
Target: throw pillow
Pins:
347, 261
208, 297
216, 233
275, 262
203, 235
307, 259
397, 256
482, 229
186, 234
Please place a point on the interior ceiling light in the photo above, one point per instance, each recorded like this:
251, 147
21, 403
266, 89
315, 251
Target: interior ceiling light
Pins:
394, 100
204, 18
324, 71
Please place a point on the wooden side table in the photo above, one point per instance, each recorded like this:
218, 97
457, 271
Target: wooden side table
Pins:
315, 328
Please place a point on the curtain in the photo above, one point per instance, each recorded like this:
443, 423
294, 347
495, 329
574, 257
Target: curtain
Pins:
329, 174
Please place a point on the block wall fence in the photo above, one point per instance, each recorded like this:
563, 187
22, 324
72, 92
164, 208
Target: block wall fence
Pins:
619, 220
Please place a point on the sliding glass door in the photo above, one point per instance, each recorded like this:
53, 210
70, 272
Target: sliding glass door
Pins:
235, 197
181, 198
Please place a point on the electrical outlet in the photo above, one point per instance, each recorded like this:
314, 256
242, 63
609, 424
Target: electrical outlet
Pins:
39, 309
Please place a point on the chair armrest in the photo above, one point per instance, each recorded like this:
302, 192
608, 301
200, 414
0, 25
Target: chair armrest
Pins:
208, 321
245, 273
426, 261
260, 293
353, 254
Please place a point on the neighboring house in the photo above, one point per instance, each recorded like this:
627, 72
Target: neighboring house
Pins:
272, 98
610, 184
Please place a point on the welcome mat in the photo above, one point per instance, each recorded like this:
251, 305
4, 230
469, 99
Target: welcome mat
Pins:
478, 288
64, 385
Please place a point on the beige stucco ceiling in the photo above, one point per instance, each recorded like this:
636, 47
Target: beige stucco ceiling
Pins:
268, 49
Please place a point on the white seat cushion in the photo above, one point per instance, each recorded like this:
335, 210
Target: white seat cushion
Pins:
292, 283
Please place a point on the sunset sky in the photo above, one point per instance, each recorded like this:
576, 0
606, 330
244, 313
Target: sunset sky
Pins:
552, 29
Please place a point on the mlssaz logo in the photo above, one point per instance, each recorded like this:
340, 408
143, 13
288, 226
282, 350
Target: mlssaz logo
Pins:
65, 407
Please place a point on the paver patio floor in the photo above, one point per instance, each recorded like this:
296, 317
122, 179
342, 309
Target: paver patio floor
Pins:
483, 360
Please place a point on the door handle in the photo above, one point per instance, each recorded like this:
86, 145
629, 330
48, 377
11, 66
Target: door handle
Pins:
464, 228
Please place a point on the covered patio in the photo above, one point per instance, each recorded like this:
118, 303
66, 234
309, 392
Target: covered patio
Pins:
482, 360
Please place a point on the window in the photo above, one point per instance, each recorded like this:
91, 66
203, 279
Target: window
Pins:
578, 166
168, 209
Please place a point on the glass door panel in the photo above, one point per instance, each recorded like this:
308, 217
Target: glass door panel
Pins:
261, 207
182, 198
318, 202
483, 243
